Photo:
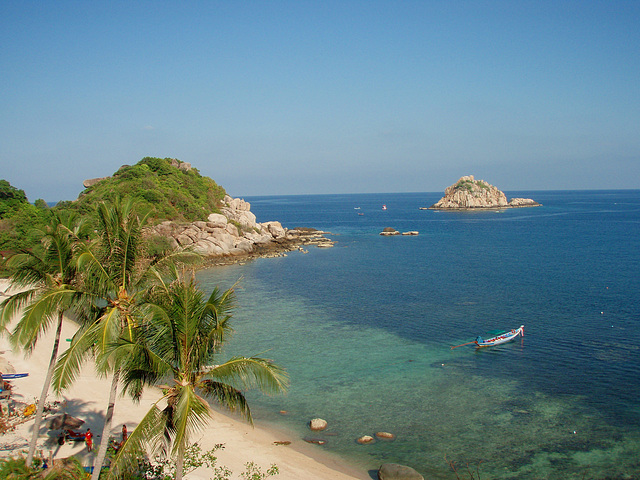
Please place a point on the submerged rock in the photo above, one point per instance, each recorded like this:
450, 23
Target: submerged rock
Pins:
363, 440
317, 441
395, 471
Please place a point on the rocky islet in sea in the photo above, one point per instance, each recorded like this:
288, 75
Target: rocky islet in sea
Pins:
470, 194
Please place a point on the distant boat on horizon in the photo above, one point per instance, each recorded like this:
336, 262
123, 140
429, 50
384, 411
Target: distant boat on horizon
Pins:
384, 207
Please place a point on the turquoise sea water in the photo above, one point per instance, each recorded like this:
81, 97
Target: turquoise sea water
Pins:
365, 328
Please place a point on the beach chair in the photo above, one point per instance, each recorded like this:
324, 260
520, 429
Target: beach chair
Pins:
74, 436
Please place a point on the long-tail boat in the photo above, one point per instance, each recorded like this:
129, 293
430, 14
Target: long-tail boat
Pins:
497, 340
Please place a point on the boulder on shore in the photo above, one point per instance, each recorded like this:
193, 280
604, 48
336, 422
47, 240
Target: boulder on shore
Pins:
469, 193
395, 471
235, 233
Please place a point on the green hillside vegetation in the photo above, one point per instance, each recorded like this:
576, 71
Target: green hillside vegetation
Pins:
159, 186
168, 192
469, 184
18, 217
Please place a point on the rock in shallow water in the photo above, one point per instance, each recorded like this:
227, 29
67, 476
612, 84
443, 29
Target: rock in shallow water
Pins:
395, 471
363, 440
317, 424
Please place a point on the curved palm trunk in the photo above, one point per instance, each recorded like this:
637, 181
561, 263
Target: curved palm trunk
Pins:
45, 391
104, 440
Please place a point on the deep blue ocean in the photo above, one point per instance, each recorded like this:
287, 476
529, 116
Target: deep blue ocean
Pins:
365, 328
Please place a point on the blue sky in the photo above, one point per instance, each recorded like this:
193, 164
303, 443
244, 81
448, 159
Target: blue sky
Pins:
290, 97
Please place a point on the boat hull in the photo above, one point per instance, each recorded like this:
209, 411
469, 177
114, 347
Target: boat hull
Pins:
13, 376
500, 339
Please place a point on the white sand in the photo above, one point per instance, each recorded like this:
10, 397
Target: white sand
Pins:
88, 400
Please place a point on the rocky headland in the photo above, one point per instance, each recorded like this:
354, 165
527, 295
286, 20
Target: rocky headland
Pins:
469, 193
234, 234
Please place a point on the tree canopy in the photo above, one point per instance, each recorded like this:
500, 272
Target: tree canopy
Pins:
163, 188
17, 218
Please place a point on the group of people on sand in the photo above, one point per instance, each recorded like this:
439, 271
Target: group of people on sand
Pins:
88, 438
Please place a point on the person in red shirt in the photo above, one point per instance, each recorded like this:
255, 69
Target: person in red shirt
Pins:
88, 438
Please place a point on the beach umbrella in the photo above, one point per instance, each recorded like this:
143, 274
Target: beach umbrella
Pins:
5, 366
64, 421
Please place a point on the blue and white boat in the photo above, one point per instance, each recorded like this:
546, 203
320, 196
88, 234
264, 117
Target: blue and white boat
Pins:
500, 339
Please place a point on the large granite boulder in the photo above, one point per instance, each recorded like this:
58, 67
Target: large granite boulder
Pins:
395, 471
92, 181
184, 166
469, 193
239, 211
275, 229
234, 233
216, 220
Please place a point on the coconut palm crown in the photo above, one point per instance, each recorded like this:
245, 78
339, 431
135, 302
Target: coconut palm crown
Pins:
117, 276
47, 277
182, 333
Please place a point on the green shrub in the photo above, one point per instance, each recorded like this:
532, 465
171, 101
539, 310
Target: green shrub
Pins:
16, 469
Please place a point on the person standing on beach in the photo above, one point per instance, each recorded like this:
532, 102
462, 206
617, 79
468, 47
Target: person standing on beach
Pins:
88, 438
124, 433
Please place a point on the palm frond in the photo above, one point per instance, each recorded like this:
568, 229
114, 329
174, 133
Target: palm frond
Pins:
191, 414
217, 313
140, 443
10, 307
140, 366
109, 328
167, 265
95, 275
69, 363
27, 268
39, 314
249, 372
227, 396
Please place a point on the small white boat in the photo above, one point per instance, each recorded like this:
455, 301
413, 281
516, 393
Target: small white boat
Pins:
497, 340
384, 207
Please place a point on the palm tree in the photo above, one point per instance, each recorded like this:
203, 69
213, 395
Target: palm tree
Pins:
182, 335
49, 277
117, 276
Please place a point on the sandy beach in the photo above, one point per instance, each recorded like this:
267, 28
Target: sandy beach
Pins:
87, 400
